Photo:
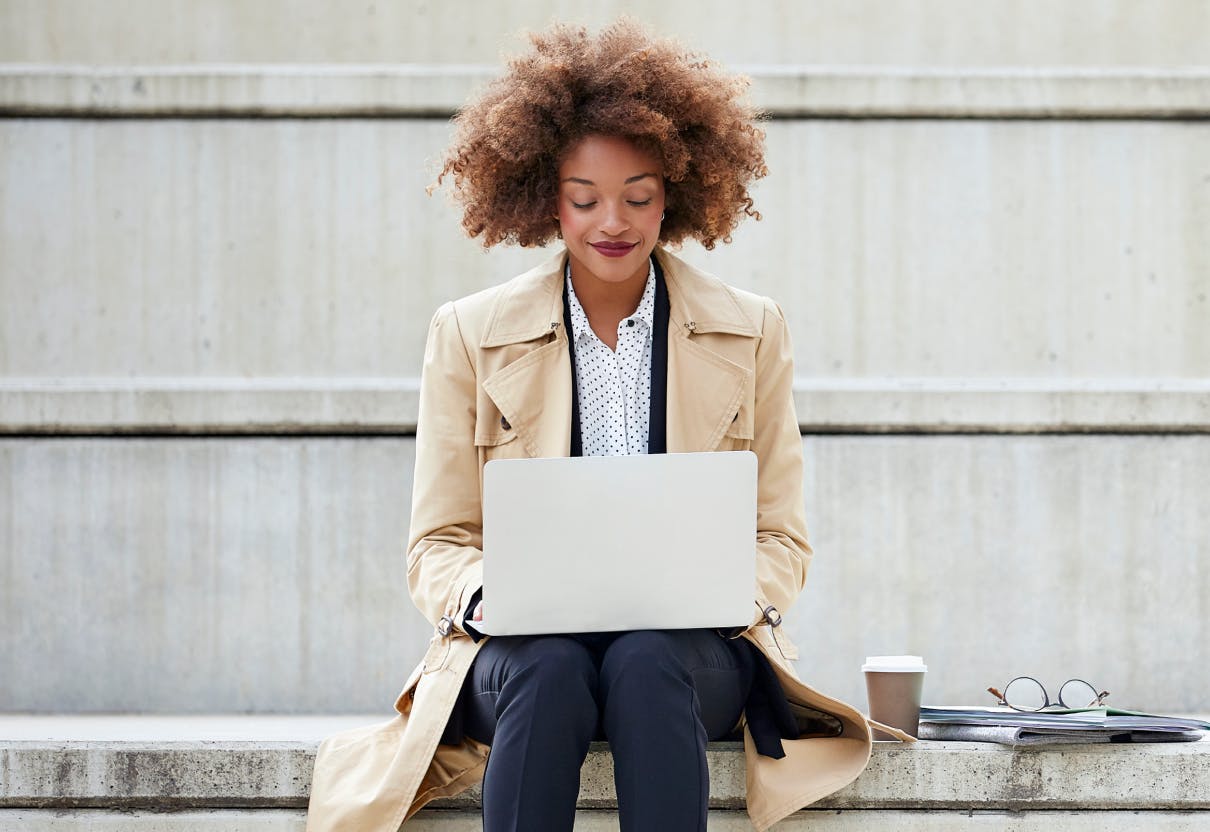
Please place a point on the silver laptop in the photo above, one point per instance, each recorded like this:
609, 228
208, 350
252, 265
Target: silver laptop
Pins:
596, 544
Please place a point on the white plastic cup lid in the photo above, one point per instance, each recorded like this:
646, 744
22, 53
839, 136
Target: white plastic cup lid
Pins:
894, 664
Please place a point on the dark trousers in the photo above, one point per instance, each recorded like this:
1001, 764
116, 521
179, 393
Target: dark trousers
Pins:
657, 696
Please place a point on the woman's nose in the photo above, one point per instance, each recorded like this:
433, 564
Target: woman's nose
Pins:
612, 221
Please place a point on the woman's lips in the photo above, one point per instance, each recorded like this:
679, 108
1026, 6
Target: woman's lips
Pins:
614, 249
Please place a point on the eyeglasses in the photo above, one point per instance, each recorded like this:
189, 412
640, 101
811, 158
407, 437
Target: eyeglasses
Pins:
1025, 693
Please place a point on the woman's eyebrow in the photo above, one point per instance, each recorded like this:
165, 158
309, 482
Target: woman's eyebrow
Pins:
632, 179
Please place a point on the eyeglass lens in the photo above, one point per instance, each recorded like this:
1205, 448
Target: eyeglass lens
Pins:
1076, 693
1026, 694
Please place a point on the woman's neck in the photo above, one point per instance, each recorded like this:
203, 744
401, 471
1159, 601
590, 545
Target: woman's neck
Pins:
606, 301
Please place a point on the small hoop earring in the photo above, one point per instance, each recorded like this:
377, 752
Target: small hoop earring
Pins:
662, 215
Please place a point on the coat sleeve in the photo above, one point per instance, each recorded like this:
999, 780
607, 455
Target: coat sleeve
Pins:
782, 551
445, 540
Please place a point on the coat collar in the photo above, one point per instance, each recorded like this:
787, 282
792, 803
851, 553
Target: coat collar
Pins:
528, 306
532, 305
533, 392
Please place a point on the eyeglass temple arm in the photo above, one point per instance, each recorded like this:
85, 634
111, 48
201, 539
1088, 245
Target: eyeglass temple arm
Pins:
999, 696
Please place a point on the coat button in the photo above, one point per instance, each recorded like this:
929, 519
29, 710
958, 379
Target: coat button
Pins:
504, 424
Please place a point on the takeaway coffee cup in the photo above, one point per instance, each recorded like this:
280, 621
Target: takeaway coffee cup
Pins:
894, 685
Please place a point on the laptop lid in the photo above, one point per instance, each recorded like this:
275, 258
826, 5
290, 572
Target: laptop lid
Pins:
595, 544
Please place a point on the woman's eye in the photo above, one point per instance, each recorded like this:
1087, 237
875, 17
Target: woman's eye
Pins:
584, 205
639, 204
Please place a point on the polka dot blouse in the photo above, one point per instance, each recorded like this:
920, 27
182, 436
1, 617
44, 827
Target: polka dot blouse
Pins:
614, 388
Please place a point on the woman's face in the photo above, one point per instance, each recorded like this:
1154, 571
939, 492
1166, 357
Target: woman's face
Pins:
611, 198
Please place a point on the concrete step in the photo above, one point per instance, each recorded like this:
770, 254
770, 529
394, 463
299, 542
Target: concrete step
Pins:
924, 32
439, 89
142, 566
952, 228
907, 262
300, 406
858, 820
253, 773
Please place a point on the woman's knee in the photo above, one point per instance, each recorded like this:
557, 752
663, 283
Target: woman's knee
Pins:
648, 677
556, 654
668, 657
544, 680
643, 654
552, 663
502, 658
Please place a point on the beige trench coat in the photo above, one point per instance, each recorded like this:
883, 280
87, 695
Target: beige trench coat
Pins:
497, 384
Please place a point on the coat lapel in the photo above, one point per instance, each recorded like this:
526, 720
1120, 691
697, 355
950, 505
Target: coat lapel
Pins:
534, 395
705, 388
533, 391
704, 394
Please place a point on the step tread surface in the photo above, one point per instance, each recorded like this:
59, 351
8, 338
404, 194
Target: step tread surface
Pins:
161, 762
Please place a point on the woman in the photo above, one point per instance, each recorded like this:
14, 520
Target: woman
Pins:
616, 144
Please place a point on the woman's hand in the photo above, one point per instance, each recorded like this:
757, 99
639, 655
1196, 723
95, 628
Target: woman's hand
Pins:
477, 615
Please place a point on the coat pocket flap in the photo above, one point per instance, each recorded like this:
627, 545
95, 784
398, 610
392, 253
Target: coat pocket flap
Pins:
741, 424
493, 437
437, 654
403, 702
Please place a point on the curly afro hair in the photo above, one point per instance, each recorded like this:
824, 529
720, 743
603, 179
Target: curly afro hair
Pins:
677, 105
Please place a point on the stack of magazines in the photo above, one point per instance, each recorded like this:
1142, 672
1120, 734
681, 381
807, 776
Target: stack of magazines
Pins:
1087, 725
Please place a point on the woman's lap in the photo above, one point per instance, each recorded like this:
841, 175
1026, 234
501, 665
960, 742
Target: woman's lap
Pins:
719, 670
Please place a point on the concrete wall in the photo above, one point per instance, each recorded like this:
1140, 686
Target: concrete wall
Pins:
994, 556
205, 575
261, 574
906, 32
963, 243
972, 248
